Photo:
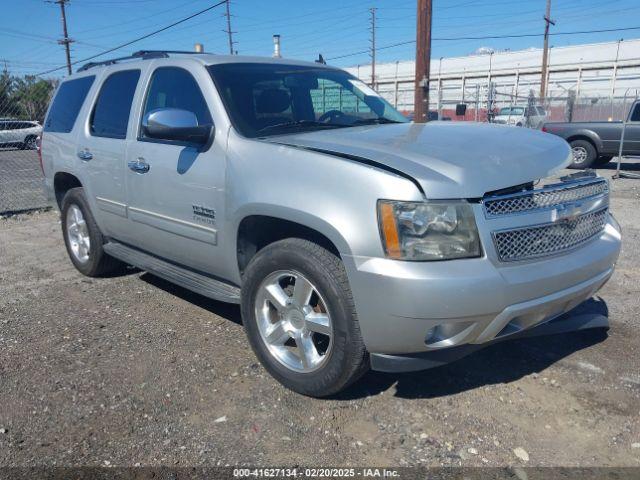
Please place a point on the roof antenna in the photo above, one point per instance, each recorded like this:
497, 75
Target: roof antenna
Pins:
321, 59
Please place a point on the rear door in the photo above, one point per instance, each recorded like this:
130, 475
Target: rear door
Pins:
176, 199
101, 150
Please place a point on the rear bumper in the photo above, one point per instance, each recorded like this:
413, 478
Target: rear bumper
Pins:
420, 307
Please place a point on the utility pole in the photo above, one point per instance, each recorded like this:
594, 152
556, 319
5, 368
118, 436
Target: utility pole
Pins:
545, 51
228, 30
423, 59
66, 41
373, 46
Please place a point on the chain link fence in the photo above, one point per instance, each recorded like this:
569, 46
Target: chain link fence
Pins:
484, 101
23, 104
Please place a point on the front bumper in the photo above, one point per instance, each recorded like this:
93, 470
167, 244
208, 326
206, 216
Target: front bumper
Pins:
569, 322
414, 307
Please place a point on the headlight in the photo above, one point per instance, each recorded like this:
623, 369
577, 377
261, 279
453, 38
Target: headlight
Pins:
429, 230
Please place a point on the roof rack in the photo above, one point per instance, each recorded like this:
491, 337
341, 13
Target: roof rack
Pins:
139, 55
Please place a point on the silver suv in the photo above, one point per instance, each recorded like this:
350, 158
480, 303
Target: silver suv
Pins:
350, 237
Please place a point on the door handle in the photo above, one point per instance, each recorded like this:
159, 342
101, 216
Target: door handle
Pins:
139, 165
85, 155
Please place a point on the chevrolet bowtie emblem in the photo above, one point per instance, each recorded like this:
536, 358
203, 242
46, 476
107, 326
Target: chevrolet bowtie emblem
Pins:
567, 212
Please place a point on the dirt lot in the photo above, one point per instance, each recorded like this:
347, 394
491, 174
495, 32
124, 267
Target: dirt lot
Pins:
132, 370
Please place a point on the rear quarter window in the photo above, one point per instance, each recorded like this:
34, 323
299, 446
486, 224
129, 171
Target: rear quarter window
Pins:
67, 104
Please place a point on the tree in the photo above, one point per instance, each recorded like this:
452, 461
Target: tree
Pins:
31, 96
7, 105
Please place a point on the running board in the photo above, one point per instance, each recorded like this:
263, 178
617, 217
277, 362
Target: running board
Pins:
196, 282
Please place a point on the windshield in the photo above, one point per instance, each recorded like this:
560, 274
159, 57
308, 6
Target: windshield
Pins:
270, 99
511, 111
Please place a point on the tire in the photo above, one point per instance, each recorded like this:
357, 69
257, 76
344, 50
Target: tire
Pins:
345, 359
30, 143
584, 154
604, 159
97, 263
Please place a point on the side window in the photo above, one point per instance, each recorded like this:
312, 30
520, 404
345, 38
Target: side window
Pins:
67, 104
110, 115
173, 87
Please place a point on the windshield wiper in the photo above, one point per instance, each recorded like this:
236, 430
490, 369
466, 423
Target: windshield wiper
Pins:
374, 121
299, 123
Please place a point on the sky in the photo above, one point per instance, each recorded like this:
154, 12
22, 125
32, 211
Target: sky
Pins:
339, 29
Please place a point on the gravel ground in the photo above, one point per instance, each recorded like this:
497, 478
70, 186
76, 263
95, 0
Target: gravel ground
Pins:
132, 370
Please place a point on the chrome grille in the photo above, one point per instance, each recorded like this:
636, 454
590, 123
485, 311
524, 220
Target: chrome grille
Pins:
544, 198
548, 239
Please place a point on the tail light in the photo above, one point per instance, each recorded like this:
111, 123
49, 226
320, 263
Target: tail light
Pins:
39, 148
544, 128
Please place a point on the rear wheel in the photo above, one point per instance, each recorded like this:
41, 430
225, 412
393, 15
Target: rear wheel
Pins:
83, 238
584, 154
300, 318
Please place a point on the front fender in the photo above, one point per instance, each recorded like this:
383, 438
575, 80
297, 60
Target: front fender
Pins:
334, 196
292, 215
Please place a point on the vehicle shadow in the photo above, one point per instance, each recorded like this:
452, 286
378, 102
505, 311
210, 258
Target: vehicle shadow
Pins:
628, 164
503, 362
228, 311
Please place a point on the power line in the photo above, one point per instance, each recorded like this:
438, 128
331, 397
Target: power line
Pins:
488, 37
139, 38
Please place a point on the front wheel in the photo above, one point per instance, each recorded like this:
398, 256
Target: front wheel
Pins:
300, 318
584, 154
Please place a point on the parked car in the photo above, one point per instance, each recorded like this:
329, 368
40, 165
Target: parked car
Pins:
532, 117
596, 143
19, 133
350, 237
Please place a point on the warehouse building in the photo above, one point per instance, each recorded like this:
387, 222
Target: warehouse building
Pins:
584, 81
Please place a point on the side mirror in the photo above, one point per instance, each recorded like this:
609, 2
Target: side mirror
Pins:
176, 124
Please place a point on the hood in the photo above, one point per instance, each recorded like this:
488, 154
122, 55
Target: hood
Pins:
447, 159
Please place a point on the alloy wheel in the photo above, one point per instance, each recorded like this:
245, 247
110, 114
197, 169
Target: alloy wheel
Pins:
293, 320
78, 234
579, 154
